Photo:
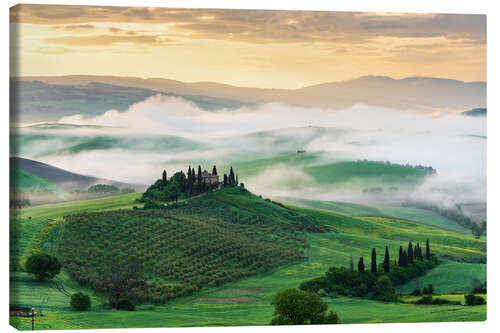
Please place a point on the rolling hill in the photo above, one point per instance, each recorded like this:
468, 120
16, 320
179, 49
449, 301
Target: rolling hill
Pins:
420, 93
63, 179
33, 101
259, 225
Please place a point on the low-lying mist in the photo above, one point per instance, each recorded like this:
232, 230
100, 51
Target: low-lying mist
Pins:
137, 144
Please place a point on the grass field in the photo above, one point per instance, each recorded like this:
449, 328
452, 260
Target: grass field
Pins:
247, 301
406, 213
323, 170
25, 181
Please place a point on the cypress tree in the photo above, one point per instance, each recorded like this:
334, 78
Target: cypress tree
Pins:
405, 259
387, 260
410, 253
164, 178
236, 183
214, 170
199, 176
361, 265
351, 265
189, 177
231, 177
374, 262
418, 252
427, 250
224, 183
400, 259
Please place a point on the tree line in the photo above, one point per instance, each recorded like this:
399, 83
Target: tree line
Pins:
454, 213
185, 185
377, 280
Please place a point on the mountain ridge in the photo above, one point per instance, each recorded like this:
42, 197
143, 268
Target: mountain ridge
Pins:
420, 93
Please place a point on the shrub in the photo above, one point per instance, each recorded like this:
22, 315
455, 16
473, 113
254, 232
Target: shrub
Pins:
384, 290
429, 290
295, 307
43, 266
424, 300
80, 302
417, 292
125, 304
474, 300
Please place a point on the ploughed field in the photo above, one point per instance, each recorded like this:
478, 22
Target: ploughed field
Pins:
220, 258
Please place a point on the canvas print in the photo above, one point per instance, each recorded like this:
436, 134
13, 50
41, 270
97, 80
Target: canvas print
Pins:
220, 167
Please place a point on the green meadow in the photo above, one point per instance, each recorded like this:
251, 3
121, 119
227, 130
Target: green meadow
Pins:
247, 301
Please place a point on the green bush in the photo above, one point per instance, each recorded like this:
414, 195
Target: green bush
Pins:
43, 266
295, 307
417, 292
384, 290
80, 302
474, 300
125, 304
429, 290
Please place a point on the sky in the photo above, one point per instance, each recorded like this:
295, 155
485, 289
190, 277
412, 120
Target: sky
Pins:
253, 48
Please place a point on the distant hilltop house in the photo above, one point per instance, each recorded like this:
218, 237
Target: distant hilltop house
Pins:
209, 178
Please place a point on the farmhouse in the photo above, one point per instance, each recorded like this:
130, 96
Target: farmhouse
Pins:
209, 178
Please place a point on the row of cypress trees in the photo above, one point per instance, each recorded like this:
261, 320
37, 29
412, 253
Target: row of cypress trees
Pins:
406, 257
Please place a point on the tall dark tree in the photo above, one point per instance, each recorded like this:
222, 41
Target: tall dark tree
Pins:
400, 258
214, 170
387, 260
351, 265
193, 175
224, 183
189, 181
164, 178
373, 267
410, 253
361, 265
200, 178
427, 250
231, 177
405, 259
418, 252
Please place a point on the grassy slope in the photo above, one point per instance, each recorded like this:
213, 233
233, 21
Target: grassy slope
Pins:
407, 213
25, 181
323, 170
247, 302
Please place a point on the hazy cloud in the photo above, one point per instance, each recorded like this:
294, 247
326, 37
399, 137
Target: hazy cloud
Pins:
108, 40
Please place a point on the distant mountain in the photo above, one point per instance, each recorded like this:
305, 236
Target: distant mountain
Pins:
34, 101
63, 179
422, 93
478, 112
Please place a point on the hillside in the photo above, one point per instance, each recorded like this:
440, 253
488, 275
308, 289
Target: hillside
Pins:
478, 112
63, 179
33, 101
219, 218
25, 181
322, 170
408, 93
425, 217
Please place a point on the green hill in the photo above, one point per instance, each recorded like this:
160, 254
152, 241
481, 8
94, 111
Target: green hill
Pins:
406, 213
322, 170
25, 181
181, 247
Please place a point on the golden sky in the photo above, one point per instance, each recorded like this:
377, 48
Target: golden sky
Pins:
268, 49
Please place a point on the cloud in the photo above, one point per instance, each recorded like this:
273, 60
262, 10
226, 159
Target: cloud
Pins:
268, 25
73, 27
91, 40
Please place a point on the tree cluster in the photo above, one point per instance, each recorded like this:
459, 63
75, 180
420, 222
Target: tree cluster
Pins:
296, 307
455, 214
362, 282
